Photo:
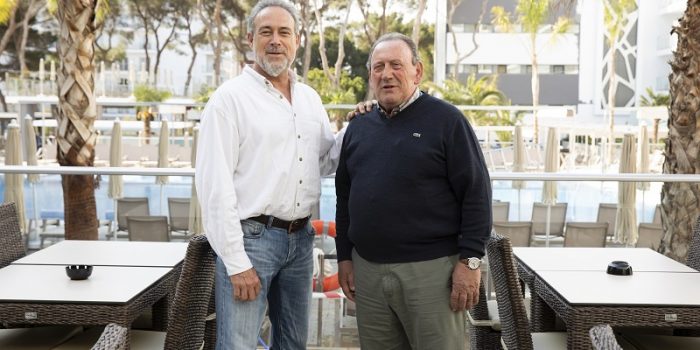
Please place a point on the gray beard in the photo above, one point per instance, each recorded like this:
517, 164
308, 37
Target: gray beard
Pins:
272, 69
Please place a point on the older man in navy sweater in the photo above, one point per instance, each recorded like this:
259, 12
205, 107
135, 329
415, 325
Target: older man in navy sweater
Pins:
414, 210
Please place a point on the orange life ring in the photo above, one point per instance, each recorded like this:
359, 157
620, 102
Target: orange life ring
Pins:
328, 227
321, 227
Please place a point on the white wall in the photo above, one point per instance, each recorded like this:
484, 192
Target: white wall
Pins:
514, 48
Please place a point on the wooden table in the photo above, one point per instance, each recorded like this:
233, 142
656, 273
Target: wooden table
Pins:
562, 278
109, 253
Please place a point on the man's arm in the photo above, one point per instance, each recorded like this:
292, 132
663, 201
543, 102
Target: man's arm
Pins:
342, 223
330, 144
217, 158
470, 181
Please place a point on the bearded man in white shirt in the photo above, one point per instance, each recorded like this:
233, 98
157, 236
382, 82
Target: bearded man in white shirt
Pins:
265, 141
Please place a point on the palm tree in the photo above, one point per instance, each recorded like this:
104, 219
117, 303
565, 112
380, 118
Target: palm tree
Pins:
531, 15
679, 200
77, 110
477, 92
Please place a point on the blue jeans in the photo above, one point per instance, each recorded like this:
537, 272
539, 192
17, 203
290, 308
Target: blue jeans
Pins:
284, 265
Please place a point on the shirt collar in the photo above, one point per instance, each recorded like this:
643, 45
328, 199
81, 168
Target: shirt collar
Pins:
259, 78
416, 94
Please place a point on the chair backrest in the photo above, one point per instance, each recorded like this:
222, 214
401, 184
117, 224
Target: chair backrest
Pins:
148, 228
11, 242
191, 305
193, 296
556, 220
519, 232
585, 234
607, 212
693, 259
515, 327
130, 206
603, 338
179, 214
482, 337
500, 211
657, 215
650, 235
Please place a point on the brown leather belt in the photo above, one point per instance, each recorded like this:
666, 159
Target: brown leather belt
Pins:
290, 226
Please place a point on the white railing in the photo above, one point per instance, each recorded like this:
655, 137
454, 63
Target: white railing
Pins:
498, 175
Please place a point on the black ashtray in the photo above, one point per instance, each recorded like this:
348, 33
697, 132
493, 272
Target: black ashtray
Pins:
78, 272
620, 268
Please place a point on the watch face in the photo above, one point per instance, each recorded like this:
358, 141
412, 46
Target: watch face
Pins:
474, 263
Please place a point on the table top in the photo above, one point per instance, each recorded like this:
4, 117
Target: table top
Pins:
595, 259
639, 289
109, 253
49, 284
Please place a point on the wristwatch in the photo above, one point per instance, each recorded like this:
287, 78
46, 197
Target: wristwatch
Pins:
471, 263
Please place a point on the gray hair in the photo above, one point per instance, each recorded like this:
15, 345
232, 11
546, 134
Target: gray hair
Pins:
396, 36
263, 4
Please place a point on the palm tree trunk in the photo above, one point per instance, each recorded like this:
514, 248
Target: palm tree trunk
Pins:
77, 111
679, 201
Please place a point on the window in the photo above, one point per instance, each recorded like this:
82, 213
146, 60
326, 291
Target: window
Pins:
485, 69
527, 69
514, 69
501, 69
557, 69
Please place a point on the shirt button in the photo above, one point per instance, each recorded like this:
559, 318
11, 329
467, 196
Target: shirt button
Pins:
281, 97
298, 204
298, 136
300, 159
300, 181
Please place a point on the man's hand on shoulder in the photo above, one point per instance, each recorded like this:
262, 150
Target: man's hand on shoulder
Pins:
361, 108
246, 285
465, 287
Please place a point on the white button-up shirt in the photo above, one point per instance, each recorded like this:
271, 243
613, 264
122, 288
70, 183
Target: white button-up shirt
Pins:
259, 154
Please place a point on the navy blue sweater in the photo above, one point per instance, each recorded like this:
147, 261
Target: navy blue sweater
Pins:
412, 188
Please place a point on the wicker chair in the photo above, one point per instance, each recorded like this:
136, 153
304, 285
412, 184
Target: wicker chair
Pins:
148, 228
694, 249
188, 326
114, 337
515, 327
11, 243
179, 217
557, 220
607, 212
603, 338
519, 232
585, 234
500, 210
650, 235
484, 325
128, 206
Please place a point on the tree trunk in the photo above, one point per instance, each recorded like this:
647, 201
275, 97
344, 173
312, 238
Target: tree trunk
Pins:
159, 51
76, 114
218, 48
193, 47
415, 34
10, 30
535, 82
32, 9
679, 200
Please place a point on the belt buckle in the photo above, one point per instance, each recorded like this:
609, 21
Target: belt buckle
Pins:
294, 223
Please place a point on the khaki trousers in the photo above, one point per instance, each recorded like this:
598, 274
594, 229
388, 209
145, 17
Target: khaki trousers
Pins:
407, 305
